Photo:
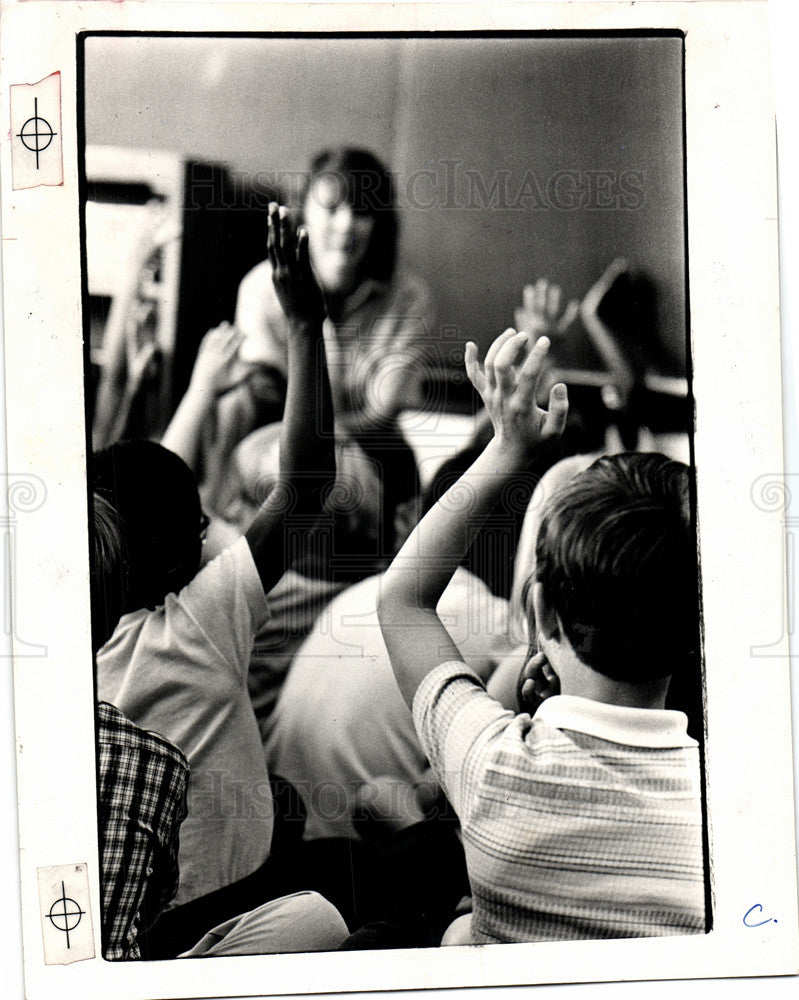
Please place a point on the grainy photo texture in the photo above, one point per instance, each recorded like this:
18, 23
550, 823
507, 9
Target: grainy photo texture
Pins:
393, 543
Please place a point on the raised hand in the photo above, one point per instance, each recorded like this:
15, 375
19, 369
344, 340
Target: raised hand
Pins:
217, 368
296, 287
507, 382
540, 313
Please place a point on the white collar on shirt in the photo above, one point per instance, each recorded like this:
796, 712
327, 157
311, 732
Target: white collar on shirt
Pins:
637, 727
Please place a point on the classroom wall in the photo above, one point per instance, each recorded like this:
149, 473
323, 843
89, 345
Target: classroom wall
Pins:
514, 156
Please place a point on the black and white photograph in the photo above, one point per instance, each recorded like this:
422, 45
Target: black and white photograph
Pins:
418, 634
403, 469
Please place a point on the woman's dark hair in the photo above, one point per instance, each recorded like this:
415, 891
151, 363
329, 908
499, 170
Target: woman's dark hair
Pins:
155, 495
107, 571
369, 191
616, 557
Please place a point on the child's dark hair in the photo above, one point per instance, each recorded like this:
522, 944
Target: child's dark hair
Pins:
369, 191
616, 557
107, 571
155, 495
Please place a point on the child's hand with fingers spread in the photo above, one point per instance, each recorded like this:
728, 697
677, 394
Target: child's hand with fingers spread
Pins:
296, 287
540, 313
507, 382
217, 368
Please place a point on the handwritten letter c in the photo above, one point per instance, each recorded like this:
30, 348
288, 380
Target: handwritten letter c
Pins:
759, 908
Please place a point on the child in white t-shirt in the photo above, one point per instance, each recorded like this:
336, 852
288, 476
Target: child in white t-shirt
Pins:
177, 663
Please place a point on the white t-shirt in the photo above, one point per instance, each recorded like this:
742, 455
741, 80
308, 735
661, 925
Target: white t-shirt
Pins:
340, 719
181, 671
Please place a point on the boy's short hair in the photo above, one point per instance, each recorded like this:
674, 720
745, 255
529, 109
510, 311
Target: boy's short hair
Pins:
156, 497
107, 571
616, 557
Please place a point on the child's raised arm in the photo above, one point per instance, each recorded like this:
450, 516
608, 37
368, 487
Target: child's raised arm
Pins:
216, 370
307, 451
415, 637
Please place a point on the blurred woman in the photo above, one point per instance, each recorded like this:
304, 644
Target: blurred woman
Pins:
377, 332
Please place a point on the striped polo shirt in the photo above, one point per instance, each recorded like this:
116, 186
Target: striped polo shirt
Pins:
583, 822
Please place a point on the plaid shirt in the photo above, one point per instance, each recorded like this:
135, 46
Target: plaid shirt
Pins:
142, 802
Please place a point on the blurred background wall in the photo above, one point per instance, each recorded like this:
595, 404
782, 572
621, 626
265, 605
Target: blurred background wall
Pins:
514, 157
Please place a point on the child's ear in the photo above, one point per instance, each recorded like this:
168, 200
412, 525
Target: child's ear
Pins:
546, 619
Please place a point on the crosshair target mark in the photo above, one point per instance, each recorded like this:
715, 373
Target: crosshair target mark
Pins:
46, 133
65, 914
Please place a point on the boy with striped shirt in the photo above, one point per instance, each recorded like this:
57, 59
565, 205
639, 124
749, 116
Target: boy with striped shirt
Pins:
583, 821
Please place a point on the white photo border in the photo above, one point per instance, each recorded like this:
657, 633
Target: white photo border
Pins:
734, 301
